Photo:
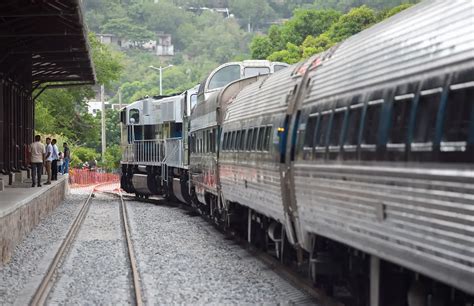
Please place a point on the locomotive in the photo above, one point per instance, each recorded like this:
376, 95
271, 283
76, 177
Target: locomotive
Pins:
357, 162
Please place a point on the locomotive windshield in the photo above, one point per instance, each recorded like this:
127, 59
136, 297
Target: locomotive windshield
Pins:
253, 71
225, 76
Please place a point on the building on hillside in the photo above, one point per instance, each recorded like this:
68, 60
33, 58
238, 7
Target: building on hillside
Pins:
164, 47
94, 107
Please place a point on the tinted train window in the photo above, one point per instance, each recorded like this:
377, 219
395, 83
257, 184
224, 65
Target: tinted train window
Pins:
400, 118
249, 139
254, 139
458, 114
213, 140
321, 140
426, 113
242, 141
353, 125
135, 114
310, 130
268, 135
371, 125
336, 128
232, 143
238, 139
253, 71
261, 137
224, 144
279, 67
224, 76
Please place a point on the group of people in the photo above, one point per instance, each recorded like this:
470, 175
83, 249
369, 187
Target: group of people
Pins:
49, 157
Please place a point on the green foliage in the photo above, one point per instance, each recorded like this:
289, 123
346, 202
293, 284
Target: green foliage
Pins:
124, 27
313, 31
252, 12
346, 5
308, 22
393, 11
64, 111
356, 20
291, 55
108, 63
80, 155
112, 158
261, 47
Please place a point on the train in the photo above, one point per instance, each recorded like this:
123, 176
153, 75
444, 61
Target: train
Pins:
357, 164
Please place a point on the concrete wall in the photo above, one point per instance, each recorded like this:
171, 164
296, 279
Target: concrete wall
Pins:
16, 225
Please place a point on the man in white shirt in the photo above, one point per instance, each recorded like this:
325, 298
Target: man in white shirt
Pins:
37, 152
48, 159
54, 164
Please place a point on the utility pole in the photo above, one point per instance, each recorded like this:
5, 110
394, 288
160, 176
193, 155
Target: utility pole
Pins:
160, 69
102, 98
120, 99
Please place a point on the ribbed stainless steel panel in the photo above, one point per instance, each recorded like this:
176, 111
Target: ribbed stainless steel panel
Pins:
421, 218
247, 178
429, 36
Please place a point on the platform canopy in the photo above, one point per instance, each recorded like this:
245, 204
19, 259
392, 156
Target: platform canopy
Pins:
53, 32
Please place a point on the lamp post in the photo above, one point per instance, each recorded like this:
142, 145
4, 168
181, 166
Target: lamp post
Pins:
160, 69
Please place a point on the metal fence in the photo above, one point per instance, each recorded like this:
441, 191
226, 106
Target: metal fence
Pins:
174, 152
153, 152
144, 152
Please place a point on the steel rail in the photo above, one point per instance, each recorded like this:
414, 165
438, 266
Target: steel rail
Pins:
131, 253
43, 290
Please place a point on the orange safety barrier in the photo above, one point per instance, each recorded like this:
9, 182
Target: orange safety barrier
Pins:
85, 177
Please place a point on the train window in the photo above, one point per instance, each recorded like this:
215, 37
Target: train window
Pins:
353, 125
249, 139
224, 76
268, 135
205, 141
279, 67
261, 137
426, 113
371, 124
232, 141
253, 71
254, 139
400, 118
458, 113
238, 140
336, 127
242, 141
224, 142
212, 143
135, 115
321, 140
310, 130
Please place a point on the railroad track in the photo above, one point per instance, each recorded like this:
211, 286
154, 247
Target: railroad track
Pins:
44, 289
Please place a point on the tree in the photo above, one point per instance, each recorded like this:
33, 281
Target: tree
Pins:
261, 47
356, 20
308, 22
291, 55
64, 111
125, 28
252, 13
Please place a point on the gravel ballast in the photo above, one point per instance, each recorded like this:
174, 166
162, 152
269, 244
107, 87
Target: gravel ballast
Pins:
97, 269
32, 256
184, 260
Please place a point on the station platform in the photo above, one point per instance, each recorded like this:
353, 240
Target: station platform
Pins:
22, 207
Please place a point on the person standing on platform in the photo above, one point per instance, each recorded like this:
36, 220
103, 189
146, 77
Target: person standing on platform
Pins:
54, 164
60, 163
48, 159
67, 157
37, 154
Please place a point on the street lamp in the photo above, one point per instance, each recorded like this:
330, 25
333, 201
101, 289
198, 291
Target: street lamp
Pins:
160, 69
